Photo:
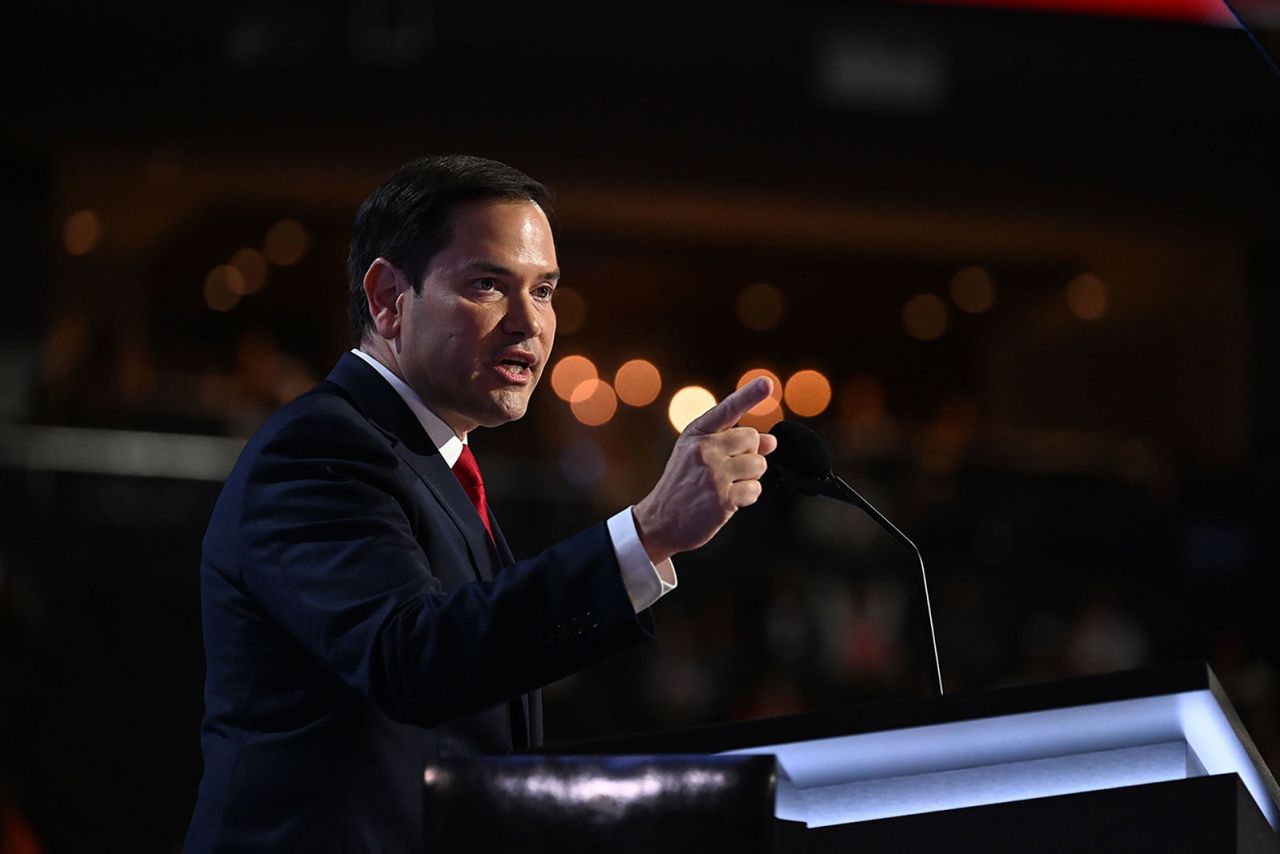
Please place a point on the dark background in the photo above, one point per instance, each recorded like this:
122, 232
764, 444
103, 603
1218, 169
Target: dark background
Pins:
1089, 494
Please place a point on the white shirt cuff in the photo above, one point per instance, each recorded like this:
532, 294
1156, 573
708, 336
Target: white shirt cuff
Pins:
646, 582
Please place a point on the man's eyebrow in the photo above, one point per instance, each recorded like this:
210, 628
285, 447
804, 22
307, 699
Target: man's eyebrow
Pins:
499, 270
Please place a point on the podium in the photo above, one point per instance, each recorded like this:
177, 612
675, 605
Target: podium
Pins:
1152, 760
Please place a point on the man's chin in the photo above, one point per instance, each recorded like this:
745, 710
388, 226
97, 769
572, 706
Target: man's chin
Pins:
505, 407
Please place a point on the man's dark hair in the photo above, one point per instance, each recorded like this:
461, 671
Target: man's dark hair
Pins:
406, 220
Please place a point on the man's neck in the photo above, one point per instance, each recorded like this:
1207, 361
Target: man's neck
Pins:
380, 351
446, 439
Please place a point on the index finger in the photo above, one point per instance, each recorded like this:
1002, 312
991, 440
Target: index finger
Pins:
726, 413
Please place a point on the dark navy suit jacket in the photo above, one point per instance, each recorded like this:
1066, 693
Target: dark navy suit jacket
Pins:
358, 621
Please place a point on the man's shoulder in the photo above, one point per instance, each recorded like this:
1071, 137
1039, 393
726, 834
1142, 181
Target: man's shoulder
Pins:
323, 420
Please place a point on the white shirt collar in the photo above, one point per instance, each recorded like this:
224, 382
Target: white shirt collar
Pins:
441, 434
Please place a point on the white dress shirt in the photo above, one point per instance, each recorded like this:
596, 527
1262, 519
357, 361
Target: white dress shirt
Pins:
645, 582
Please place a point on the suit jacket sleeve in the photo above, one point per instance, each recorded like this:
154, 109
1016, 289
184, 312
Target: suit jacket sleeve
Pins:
336, 547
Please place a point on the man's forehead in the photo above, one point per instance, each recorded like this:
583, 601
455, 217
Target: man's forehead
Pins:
501, 232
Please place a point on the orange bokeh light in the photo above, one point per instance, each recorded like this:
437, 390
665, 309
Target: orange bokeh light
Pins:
638, 382
222, 288
1087, 296
593, 402
252, 265
81, 232
687, 404
925, 317
772, 403
807, 393
286, 243
571, 372
972, 290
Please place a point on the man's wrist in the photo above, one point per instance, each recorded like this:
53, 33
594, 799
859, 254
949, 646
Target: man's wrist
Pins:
645, 527
645, 581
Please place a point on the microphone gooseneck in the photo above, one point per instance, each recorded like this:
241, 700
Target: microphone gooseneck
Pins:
801, 462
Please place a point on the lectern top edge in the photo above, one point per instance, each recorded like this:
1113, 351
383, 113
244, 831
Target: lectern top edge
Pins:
900, 714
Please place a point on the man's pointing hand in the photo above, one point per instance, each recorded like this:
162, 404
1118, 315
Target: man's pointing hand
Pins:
714, 469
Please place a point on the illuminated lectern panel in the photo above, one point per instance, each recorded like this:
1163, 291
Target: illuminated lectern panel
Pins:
1123, 733
1018, 756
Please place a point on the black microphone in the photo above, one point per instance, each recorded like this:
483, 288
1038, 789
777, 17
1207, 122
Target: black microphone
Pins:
801, 462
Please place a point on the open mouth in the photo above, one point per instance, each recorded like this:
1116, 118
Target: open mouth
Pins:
516, 367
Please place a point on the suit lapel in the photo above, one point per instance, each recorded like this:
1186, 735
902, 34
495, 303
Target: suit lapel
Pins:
440, 481
378, 402
505, 558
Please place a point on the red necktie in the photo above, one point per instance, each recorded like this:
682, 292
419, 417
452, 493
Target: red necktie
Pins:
467, 471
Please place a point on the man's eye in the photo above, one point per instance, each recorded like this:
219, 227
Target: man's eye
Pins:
544, 291
485, 284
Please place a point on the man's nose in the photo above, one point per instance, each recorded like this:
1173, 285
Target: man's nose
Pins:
522, 316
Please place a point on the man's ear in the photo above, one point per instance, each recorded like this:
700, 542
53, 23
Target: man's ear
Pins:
383, 284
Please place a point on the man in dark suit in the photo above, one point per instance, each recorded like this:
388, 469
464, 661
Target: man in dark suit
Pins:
362, 612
